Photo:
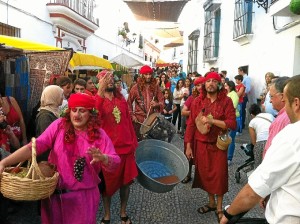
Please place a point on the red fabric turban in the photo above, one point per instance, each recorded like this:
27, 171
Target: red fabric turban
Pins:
102, 73
146, 69
199, 80
213, 75
81, 100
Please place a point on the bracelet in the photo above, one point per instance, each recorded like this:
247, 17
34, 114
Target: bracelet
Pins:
227, 215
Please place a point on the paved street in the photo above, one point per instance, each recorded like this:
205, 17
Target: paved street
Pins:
178, 206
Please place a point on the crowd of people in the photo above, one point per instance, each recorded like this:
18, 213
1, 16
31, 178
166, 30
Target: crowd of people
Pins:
98, 122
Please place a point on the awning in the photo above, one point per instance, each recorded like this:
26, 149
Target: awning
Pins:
81, 61
25, 45
175, 43
161, 63
128, 61
168, 32
163, 10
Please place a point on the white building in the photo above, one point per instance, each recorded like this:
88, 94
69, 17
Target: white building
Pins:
262, 35
87, 26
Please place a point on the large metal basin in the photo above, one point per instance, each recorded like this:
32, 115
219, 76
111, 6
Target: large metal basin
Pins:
156, 159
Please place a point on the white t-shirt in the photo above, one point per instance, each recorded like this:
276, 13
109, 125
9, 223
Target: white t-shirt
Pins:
176, 94
185, 91
279, 175
261, 123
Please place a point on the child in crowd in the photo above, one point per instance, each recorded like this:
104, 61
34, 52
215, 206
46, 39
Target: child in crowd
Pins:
169, 106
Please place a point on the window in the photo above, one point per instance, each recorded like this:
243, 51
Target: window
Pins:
9, 30
211, 35
193, 51
242, 18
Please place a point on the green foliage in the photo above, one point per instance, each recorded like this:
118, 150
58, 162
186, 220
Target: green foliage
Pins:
295, 7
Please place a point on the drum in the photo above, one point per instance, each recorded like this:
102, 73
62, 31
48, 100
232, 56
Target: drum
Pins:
157, 127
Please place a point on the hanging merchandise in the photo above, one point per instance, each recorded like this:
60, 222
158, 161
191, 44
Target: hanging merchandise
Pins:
295, 7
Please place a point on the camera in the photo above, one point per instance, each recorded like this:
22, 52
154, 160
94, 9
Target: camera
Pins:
3, 125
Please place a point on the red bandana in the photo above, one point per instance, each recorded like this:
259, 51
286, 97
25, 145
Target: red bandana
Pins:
213, 75
146, 70
81, 100
199, 80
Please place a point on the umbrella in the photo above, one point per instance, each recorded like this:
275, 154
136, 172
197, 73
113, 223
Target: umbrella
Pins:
81, 61
128, 61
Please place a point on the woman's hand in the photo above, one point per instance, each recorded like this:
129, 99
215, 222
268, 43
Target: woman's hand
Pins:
97, 155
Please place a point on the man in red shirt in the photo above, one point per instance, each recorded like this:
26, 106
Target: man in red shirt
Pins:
211, 112
145, 98
116, 122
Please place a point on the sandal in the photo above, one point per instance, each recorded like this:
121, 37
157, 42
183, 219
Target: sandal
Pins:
219, 215
126, 219
103, 221
186, 180
206, 208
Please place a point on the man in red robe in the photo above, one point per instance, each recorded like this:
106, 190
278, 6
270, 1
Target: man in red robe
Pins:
145, 98
211, 112
116, 122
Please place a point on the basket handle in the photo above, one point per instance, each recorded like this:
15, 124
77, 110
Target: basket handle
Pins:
34, 170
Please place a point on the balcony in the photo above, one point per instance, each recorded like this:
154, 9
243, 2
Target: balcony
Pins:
73, 16
211, 5
280, 8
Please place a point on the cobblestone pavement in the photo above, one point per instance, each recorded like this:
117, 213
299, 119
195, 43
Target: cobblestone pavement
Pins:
178, 206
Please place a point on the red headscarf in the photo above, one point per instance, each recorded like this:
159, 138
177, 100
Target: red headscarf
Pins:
213, 75
146, 70
81, 100
103, 73
199, 80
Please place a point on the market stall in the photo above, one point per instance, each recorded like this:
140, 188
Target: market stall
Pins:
26, 67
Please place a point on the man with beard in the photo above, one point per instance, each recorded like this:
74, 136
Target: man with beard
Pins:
145, 98
211, 113
116, 122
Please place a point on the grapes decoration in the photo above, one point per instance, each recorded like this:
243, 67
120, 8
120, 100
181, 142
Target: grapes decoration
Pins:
79, 168
117, 114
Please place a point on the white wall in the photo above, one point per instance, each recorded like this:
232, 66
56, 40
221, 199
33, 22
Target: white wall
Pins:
269, 50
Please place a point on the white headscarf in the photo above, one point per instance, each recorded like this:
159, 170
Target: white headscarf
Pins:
51, 99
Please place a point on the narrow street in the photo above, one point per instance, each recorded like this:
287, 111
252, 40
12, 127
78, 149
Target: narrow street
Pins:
178, 206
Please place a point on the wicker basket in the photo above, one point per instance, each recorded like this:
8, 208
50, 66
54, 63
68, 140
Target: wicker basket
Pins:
34, 186
223, 145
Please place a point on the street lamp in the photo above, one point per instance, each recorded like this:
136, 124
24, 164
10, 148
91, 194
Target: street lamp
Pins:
129, 41
261, 3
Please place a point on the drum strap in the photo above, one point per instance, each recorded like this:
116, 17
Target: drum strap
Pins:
142, 99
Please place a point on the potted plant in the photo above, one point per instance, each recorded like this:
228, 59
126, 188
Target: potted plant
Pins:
123, 33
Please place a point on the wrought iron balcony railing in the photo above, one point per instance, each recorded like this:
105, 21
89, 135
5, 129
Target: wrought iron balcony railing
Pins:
83, 7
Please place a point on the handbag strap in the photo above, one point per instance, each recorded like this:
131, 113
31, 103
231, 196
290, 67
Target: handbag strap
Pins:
264, 118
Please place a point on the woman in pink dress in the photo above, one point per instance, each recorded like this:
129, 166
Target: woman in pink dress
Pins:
75, 138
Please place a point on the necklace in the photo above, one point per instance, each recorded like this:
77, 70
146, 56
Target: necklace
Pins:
117, 114
116, 111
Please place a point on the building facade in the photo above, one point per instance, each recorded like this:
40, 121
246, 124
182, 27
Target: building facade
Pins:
261, 35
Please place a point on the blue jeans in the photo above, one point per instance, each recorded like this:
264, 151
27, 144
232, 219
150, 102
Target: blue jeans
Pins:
231, 147
245, 101
239, 119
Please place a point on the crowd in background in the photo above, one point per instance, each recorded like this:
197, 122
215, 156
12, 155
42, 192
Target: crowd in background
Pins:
171, 92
